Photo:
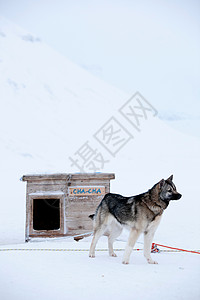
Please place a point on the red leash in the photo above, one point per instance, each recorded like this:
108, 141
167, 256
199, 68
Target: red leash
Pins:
154, 248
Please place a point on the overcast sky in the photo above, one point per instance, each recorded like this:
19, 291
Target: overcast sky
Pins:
147, 46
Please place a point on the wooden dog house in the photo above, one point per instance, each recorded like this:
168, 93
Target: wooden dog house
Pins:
59, 204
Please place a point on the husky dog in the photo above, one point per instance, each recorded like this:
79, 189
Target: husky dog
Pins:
141, 214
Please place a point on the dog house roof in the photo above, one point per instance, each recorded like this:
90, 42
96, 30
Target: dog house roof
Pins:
68, 176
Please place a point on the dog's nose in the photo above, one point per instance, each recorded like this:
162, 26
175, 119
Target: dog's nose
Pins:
179, 196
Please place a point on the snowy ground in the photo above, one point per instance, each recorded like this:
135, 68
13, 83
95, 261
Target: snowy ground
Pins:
73, 275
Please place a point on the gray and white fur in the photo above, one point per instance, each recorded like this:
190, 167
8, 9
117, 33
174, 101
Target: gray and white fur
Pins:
141, 214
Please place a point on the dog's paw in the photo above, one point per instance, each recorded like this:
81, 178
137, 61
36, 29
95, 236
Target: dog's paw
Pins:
113, 254
152, 262
125, 262
92, 255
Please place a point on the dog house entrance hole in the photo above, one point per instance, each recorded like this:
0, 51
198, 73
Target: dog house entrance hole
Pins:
46, 214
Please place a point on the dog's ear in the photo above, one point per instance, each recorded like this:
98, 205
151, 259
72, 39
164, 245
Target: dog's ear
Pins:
170, 178
161, 183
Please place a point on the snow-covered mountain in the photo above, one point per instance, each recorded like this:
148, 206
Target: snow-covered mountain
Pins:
46, 99
51, 109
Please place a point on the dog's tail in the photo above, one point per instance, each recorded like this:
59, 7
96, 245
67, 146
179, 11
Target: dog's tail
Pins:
91, 216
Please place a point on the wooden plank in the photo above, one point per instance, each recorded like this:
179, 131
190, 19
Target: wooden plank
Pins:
77, 232
81, 207
79, 226
34, 177
94, 181
48, 235
86, 176
80, 214
65, 176
33, 188
47, 182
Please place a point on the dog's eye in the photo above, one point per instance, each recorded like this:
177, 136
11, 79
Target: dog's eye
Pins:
169, 190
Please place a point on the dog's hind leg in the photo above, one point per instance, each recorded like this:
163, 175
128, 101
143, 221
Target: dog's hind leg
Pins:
115, 231
133, 236
97, 234
101, 224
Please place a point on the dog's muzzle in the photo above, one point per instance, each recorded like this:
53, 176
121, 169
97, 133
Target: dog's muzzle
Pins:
177, 196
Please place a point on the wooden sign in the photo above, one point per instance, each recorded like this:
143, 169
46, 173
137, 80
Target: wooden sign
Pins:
86, 191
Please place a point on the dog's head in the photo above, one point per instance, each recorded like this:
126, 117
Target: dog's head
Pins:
168, 190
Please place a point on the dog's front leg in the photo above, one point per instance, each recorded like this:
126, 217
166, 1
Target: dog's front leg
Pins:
133, 236
148, 238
